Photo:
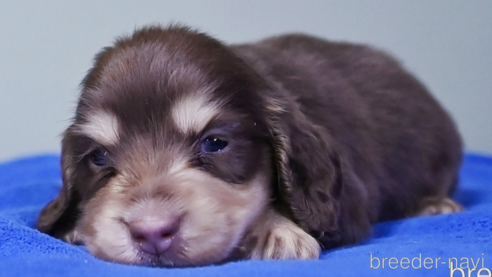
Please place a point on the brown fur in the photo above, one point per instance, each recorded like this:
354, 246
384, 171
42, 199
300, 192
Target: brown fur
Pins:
325, 139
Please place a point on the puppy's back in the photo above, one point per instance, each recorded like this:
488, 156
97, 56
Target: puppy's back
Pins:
399, 140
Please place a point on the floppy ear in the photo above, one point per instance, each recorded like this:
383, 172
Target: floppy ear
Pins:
59, 216
324, 195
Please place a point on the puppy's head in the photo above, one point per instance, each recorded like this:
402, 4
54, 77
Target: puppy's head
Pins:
174, 152
167, 161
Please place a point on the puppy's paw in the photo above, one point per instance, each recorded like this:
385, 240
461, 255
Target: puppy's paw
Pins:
433, 206
73, 237
286, 241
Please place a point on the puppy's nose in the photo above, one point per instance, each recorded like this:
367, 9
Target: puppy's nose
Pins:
154, 235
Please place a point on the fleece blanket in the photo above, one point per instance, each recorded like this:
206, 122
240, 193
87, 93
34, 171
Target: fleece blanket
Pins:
446, 245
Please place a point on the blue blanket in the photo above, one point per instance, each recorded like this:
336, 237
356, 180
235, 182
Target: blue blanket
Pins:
412, 247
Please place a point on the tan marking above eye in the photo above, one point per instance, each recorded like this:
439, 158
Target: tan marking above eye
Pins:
194, 112
102, 127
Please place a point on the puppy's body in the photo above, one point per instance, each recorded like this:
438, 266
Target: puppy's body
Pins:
184, 151
394, 135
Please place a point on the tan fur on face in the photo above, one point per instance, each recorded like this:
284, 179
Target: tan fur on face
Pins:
102, 127
193, 112
214, 214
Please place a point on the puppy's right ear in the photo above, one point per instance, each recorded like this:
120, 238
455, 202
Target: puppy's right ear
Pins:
59, 216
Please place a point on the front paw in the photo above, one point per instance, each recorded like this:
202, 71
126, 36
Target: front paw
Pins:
284, 240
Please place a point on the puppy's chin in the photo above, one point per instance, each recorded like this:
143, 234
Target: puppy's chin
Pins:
213, 216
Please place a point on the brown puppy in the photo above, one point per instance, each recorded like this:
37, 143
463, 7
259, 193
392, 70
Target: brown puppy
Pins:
184, 151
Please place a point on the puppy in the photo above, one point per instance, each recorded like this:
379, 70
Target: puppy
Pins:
185, 151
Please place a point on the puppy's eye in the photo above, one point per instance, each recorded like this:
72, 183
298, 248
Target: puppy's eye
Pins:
212, 144
99, 157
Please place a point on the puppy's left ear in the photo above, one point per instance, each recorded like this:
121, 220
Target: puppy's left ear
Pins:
324, 195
